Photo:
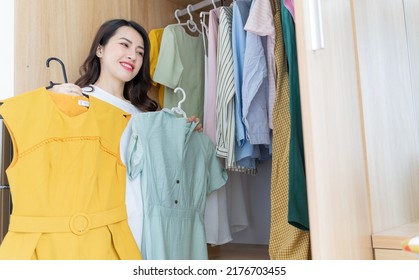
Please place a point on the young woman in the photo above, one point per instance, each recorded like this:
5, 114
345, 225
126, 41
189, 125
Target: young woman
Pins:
117, 70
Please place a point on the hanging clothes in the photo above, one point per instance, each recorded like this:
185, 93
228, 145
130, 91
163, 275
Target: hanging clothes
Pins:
225, 212
178, 170
217, 226
181, 64
260, 22
255, 86
286, 241
297, 200
70, 201
225, 103
155, 36
240, 14
289, 4
246, 153
210, 120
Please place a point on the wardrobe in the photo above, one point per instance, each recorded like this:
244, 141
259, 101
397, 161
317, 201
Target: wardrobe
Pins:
358, 62
359, 97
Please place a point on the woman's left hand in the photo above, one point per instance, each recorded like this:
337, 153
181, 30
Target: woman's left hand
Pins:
198, 127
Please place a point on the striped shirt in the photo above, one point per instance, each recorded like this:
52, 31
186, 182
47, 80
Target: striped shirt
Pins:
226, 91
225, 105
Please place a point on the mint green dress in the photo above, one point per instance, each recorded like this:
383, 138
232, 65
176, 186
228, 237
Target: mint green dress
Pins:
178, 170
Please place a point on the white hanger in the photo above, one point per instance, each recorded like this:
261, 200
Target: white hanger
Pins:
194, 27
204, 28
178, 109
176, 16
187, 23
203, 21
202, 17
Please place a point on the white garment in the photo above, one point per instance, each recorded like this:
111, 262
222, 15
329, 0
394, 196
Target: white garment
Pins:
133, 197
217, 229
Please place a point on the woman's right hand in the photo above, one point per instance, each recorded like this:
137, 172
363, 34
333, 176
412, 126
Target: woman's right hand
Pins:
67, 88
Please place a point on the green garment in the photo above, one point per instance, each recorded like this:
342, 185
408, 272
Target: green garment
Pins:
181, 64
297, 203
178, 170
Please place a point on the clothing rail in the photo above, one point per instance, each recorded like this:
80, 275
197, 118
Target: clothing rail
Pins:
197, 7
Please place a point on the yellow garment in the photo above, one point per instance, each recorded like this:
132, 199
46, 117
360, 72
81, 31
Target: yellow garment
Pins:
155, 36
67, 179
286, 241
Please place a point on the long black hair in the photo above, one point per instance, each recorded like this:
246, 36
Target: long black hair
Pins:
136, 90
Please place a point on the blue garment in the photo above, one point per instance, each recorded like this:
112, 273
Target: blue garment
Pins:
246, 153
255, 91
178, 170
240, 14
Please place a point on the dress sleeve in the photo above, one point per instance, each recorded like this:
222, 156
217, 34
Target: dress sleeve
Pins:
217, 175
169, 66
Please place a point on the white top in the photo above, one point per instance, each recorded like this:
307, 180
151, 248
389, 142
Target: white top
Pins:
133, 198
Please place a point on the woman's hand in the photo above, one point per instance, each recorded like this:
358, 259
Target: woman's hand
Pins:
198, 127
67, 88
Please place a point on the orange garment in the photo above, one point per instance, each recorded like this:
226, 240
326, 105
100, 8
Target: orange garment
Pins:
66, 178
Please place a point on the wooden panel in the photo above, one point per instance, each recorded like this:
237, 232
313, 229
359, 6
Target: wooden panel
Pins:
237, 251
333, 138
184, 2
411, 10
382, 254
154, 14
7, 49
61, 28
389, 114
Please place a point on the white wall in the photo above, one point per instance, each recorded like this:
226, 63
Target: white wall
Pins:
7, 49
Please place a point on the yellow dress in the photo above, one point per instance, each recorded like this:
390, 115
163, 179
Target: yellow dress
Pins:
67, 179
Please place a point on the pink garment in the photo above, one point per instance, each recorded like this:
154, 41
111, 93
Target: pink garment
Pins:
289, 4
210, 123
216, 219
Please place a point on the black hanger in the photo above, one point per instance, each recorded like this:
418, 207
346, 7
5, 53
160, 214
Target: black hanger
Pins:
51, 84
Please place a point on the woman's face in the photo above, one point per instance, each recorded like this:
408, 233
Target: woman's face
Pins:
122, 57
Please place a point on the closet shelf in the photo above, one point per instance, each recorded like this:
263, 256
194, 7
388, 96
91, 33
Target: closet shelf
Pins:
388, 244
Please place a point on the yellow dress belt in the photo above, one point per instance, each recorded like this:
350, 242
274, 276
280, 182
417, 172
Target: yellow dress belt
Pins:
79, 223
